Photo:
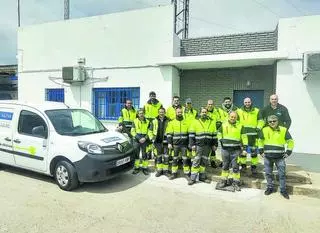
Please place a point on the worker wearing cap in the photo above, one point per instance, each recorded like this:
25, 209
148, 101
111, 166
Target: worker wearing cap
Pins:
171, 111
152, 106
189, 113
275, 144
233, 142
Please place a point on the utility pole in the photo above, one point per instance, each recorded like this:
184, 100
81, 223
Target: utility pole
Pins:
18, 13
66, 9
181, 19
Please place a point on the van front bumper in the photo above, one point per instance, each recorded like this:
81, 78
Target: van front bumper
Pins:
95, 168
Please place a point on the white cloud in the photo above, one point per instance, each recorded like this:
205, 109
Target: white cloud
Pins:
207, 17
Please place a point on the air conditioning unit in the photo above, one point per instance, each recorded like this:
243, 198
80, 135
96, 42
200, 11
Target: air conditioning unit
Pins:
74, 74
311, 62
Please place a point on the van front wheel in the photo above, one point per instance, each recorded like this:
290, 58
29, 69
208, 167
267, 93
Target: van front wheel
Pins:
66, 176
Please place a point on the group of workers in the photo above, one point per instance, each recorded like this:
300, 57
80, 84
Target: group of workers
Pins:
182, 134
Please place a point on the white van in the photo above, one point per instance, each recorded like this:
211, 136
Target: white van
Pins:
69, 144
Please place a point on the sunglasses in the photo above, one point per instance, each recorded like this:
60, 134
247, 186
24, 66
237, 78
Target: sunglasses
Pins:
272, 121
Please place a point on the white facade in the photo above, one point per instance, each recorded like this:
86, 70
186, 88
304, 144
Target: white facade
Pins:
301, 97
136, 49
124, 47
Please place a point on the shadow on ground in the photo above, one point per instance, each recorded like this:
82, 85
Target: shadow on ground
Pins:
117, 184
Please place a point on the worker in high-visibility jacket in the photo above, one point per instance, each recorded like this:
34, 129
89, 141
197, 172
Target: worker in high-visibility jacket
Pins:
177, 135
171, 111
202, 139
275, 144
233, 142
159, 138
248, 117
189, 113
152, 106
127, 116
226, 108
140, 132
213, 113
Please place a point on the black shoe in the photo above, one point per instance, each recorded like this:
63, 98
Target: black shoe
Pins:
173, 176
159, 173
135, 171
236, 185
205, 180
213, 164
145, 171
243, 167
222, 184
191, 182
166, 173
268, 191
254, 170
285, 195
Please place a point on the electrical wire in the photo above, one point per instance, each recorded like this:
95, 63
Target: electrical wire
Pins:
267, 8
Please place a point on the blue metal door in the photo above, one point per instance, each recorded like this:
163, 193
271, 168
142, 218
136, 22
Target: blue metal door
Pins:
256, 96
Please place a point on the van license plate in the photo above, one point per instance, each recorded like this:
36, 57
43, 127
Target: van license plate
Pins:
122, 161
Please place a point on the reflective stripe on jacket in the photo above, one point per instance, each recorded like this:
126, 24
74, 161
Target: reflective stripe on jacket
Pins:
127, 117
177, 132
232, 135
203, 132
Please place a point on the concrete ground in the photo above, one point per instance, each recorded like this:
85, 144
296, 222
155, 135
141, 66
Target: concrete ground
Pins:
33, 203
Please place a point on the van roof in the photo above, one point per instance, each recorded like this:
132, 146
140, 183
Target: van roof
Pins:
43, 106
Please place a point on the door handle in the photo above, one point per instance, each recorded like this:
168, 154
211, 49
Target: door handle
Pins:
7, 139
16, 140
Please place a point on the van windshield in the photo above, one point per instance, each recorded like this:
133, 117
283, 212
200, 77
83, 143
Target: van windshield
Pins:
74, 122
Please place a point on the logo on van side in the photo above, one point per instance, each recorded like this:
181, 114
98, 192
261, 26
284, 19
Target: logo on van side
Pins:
6, 115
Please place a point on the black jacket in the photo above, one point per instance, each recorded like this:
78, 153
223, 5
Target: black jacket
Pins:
281, 112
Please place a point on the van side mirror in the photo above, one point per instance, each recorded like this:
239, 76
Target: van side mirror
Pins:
39, 131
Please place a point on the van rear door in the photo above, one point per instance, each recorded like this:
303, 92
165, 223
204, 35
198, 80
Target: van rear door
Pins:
30, 142
7, 125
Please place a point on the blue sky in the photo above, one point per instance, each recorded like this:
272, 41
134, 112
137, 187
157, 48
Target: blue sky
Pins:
207, 17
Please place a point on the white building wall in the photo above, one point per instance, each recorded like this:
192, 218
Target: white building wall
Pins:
301, 97
125, 47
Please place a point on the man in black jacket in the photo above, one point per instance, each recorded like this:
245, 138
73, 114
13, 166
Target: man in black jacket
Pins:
274, 108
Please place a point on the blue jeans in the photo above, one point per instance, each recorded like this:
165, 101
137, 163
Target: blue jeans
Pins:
281, 167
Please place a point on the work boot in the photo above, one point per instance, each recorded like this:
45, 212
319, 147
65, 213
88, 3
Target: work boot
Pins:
229, 181
204, 179
145, 171
236, 185
213, 164
285, 194
136, 171
166, 173
254, 170
191, 182
173, 176
268, 191
222, 183
159, 173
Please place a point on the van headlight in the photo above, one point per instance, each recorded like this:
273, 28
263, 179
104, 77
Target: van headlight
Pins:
90, 147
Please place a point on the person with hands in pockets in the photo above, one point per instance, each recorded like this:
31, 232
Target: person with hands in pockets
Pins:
275, 144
